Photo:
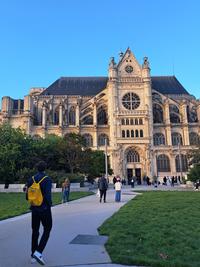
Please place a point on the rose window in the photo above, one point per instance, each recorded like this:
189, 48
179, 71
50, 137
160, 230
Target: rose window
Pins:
131, 101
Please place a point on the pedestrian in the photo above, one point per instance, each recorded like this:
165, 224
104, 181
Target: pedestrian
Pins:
40, 214
102, 186
133, 181
65, 190
118, 187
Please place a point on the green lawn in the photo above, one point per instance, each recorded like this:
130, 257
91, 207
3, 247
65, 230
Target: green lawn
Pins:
157, 229
13, 204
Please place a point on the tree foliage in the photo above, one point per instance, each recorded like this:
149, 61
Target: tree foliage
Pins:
20, 152
194, 163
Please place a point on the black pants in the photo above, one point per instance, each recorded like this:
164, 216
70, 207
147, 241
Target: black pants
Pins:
45, 218
103, 194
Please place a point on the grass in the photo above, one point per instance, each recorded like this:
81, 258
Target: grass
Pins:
13, 204
157, 229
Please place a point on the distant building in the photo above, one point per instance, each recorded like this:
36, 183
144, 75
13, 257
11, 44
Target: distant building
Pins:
149, 122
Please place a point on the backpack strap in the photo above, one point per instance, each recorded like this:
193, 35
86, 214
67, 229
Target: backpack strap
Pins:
42, 179
33, 179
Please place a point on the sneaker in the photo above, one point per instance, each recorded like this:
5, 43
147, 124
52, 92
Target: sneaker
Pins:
38, 256
33, 260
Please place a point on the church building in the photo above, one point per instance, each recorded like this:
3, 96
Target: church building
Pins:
149, 122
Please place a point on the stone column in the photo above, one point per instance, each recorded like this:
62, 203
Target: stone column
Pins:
77, 115
95, 141
44, 116
167, 123
186, 140
172, 164
198, 113
60, 115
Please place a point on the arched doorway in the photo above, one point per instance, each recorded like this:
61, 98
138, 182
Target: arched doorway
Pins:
133, 165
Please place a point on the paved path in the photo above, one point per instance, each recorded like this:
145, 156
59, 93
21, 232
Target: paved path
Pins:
80, 217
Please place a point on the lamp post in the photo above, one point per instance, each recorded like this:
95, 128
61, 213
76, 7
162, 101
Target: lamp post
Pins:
106, 160
180, 161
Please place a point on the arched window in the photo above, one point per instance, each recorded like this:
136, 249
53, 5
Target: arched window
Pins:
158, 139
56, 116
183, 165
141, 133
88, 139
192, 114
177, 139
102, 118
131, 122
132, 133
88, 120
127, 133
194, 139
72, 116
133, 156
174, 114
123, 133
123, 122
136, 121
136, 133
157, 113
101, 140
127, 121
163, 164
140, 121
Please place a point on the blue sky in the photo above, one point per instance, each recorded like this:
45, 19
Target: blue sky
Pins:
42, 40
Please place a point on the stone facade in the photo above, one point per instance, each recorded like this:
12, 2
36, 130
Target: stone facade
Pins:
149, 122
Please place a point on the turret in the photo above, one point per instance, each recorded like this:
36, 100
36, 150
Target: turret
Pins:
112, 71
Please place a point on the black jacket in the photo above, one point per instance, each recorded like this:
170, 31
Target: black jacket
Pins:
102, 183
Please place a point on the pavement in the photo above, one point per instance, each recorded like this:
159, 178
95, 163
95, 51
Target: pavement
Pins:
74, 239
76, 222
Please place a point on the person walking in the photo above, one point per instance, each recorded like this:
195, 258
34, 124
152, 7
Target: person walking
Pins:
118, 187
65, 190
40, 214
102, 186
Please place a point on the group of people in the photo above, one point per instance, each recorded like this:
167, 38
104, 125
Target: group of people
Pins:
171, 180
103, 186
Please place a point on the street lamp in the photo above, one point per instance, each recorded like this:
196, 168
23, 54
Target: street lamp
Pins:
106, 160
180, 160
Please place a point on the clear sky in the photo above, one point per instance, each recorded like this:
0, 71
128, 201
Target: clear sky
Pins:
42, 40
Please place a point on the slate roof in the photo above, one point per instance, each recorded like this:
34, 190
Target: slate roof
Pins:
90, 86
168, 85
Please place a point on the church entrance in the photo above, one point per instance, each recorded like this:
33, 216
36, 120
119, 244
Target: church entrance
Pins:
134, 172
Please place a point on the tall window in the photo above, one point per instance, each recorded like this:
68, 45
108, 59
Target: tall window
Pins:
163, 164
194, 139
157, 113
158, 139
141, 133
72, 116
133, 156
132, 133
177, 139
101, 140
88, 139
102, 116
136, 133
174, 114
56, 116
183, 165
127, 133
123, 134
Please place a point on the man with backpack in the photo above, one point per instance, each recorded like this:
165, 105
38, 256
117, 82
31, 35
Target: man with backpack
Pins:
39, 197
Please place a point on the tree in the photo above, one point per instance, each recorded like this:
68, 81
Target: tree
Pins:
71, 149
194, 163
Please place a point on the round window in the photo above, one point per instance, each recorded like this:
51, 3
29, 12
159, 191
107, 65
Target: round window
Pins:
131, 101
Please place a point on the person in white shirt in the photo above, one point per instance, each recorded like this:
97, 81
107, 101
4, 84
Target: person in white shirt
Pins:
118, 187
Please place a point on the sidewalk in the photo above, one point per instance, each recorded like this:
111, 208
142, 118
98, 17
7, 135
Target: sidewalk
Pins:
78, 218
